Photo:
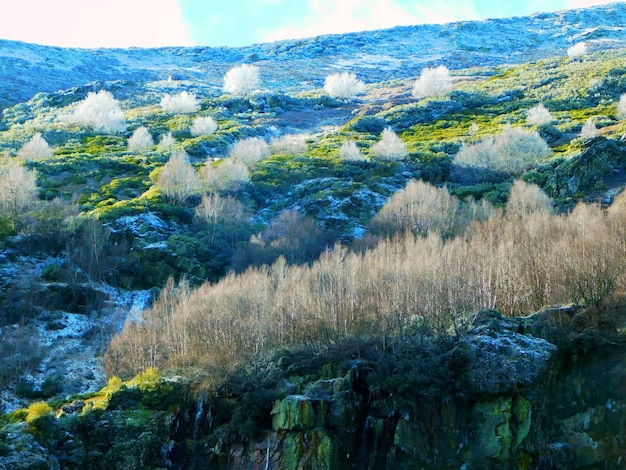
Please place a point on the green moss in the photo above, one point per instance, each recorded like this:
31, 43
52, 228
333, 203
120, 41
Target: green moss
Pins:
313, 450
493, 437
521, 419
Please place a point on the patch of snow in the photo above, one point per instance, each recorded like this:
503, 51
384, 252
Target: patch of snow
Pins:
156, 246
69, 325
140, 302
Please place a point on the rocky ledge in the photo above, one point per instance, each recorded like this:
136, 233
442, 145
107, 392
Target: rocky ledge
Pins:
545, 391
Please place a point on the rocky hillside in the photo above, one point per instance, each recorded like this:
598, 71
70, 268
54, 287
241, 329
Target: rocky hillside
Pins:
307, 295
26, 69
541, 392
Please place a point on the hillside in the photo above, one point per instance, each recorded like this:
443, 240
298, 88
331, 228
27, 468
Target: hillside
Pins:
398, 53
220, 273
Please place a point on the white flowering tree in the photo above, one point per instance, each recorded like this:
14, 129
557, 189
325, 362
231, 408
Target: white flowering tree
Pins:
577, 50
141, 140
225, 175
167, 142
513, 151
250, 150
539, 115
621, 106
178, 180
290, 144
203, 125
343, 85
18, 190
101, 111
350, 151
181, 103
589, 129
242, 80
390, 147
432, 82
35, 149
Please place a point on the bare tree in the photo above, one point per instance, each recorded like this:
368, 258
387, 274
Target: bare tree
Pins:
178, 180
525, 199
18, 190
225, 175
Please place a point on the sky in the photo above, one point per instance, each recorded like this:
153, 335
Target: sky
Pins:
155, 23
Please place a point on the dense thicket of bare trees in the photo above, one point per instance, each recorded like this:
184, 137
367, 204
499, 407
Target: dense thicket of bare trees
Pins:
518, 260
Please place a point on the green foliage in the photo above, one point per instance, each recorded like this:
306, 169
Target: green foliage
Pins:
369, 124
6, 228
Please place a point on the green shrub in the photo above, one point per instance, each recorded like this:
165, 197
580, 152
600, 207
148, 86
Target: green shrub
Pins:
51, 272
369, 124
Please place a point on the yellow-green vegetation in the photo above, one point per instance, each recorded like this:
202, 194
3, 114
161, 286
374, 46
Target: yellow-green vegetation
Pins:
37, 410
146, 380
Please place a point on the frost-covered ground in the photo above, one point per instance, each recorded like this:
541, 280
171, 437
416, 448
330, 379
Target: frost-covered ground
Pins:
72, 345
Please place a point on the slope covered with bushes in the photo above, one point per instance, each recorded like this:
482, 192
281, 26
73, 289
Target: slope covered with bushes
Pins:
173, 224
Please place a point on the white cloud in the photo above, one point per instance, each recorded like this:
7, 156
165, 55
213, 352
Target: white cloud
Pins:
588, 3
95, 23
332, 16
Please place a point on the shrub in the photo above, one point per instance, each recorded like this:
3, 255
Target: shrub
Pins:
141, 140
589, 129
226, 175
35, 149
149, 376
37, 410
513, 151
100, 111
432, 82
203, 125
290, 144
369, 124
178, 180
350, 151
250, 150
242, 80
113, 385
389, 147
538, 115
577, 49
183, 102
343, 85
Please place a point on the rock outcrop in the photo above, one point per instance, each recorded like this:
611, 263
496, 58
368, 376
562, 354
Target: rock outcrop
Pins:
546, 391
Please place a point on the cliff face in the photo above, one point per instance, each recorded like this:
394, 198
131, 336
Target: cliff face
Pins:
545, 391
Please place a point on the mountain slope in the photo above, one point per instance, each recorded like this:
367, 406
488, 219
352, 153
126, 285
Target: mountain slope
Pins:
26, 69
101, 238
